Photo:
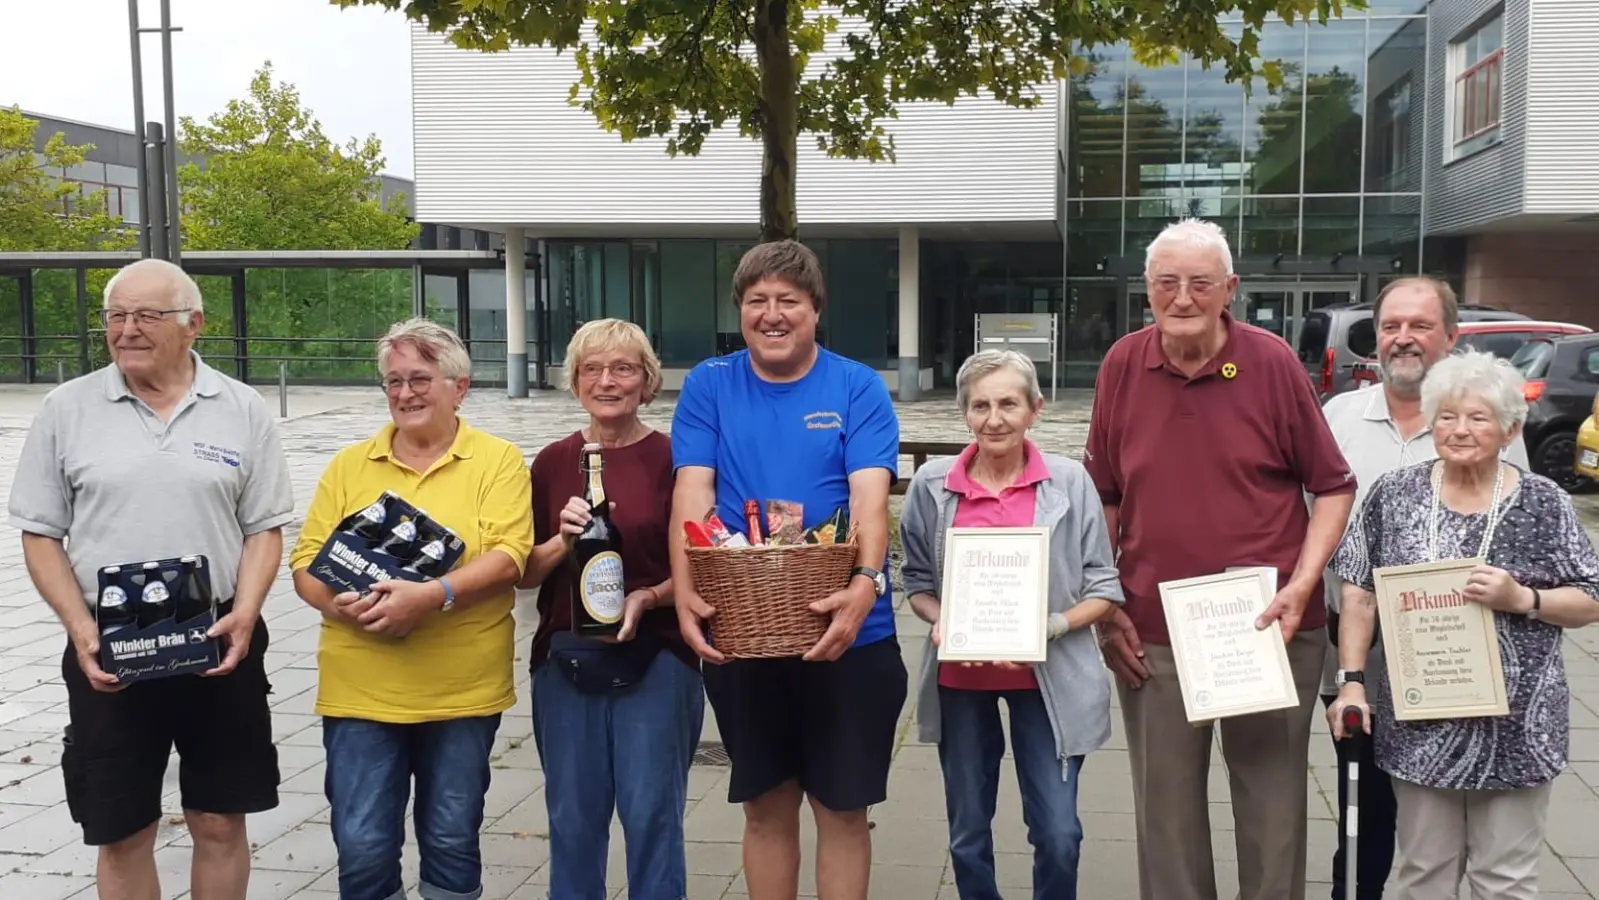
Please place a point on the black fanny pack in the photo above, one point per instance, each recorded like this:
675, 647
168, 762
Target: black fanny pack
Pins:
602, 667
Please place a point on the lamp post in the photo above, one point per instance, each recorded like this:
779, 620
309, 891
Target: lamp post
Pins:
159, 230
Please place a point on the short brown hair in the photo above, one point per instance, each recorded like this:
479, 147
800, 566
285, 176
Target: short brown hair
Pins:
1439, 289
790, 261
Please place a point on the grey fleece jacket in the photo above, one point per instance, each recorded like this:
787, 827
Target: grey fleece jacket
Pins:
1073, 679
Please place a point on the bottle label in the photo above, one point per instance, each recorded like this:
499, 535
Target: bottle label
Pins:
600, 586
596, 484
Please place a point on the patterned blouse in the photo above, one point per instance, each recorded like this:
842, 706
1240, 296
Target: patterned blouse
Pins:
1542, 545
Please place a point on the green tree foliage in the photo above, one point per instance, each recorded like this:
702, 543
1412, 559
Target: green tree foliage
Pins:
682, 68
271, 180
39, 211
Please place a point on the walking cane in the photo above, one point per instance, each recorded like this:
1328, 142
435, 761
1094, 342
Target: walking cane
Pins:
1354, 734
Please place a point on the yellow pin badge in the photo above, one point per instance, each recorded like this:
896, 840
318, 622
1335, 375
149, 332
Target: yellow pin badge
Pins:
1229, 371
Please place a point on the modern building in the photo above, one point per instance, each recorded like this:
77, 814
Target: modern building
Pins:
1447, 137
110, 164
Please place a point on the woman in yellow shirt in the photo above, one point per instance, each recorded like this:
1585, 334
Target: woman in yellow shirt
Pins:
414, 675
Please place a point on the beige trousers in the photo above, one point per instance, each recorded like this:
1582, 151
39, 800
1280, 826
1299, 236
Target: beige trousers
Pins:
1267, 762
1492, 838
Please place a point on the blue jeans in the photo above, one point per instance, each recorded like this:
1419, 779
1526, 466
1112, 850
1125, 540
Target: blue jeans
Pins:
970, 752
627, 752
370, 767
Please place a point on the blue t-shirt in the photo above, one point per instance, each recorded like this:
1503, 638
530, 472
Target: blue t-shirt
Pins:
794, 441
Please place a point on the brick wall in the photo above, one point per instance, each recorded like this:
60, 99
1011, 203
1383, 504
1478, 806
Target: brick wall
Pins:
1545, 275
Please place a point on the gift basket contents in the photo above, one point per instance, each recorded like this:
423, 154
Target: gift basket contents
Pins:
155, 619
763, 581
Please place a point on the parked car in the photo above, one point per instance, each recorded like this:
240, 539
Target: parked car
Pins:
1334, 340
1587, 461
1502, 338
1562, 383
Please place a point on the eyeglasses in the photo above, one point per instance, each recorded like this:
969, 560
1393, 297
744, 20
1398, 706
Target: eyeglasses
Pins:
1197, 287
420, 384
119, 317
620, 371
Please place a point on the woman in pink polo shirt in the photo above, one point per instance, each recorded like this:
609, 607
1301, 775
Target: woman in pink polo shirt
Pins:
1060, 708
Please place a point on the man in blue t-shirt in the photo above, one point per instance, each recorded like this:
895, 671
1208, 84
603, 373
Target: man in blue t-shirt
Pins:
789, 420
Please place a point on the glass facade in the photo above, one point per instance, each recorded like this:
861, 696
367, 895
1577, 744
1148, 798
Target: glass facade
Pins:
1316, 183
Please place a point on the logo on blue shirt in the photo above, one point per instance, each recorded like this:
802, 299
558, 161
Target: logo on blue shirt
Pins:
824, 420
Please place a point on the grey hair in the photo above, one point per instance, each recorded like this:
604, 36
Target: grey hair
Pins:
185, 293
1191, 233
984, 363
1474, 373
432, 341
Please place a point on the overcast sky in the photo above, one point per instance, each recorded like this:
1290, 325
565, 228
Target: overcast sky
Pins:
71, 59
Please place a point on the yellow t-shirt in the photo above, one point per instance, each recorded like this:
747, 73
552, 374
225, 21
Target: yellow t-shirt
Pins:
454, 664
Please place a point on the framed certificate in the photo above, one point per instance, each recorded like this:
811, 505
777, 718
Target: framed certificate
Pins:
1225, 666
1442, 649
995, 595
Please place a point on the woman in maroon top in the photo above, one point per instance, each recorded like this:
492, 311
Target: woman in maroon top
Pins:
616, 721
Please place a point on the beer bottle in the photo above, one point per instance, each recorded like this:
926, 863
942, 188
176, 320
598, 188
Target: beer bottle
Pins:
429, 562
113, 613
155, 602
596, 558
368, 523
194, 599
402, 541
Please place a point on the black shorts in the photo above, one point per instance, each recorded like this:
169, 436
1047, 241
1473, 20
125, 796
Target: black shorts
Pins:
116, 748
831, 725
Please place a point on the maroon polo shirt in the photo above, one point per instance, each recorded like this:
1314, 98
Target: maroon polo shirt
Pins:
1209, 472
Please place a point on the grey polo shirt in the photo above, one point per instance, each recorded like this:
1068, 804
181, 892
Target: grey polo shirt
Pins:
103, 471
1366, 433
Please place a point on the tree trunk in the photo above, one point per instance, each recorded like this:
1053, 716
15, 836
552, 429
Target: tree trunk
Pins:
779, 119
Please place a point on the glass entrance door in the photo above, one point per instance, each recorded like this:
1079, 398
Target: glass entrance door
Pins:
1280, 308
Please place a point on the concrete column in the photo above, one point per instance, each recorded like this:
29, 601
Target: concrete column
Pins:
515, 313
910, 314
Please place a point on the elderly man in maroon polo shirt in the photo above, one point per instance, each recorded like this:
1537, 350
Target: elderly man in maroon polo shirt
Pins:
1205, 439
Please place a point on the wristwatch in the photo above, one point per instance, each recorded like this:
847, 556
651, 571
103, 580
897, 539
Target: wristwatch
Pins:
879, 580
1537, 604
449, 595
1349, 676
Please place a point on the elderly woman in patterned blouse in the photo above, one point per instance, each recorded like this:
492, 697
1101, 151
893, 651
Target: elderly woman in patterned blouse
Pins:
1473, 793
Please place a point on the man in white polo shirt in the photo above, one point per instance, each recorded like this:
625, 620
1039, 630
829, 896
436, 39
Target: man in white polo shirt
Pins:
1381, 428
157, 456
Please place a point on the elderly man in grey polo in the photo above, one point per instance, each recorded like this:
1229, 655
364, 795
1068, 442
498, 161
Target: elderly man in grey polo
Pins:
156, 456
1379, 429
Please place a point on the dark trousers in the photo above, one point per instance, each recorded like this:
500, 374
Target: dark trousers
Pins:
1377, 813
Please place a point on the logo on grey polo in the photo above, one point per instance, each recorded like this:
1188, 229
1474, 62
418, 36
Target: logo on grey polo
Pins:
227, 456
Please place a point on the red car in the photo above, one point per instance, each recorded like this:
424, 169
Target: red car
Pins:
1501, 338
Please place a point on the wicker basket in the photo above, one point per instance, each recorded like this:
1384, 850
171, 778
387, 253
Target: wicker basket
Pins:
763, 594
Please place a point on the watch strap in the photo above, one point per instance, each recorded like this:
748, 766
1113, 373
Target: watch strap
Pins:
449, 595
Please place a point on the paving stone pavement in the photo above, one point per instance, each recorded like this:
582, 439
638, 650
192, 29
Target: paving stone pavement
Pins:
42, 856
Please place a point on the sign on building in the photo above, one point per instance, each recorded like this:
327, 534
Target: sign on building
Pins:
1034, 335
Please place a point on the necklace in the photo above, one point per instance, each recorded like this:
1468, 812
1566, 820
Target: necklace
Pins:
1437, 505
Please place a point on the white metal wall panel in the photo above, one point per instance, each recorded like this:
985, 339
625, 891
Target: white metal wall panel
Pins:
1485, 186
1562, 174
496, 141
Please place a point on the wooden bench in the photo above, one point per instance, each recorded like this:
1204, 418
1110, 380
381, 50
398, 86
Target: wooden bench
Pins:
919, 451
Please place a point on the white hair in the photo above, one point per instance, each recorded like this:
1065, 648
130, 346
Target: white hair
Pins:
1191, 233
1479, 375
185, 293
984, 363
433, 342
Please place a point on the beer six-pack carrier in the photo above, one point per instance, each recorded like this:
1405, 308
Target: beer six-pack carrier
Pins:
155, 619
762, 593
388, 539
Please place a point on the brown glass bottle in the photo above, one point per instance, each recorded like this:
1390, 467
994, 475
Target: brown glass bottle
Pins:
596, 558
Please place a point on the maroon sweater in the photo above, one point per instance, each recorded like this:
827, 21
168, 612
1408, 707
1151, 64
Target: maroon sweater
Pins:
638, 479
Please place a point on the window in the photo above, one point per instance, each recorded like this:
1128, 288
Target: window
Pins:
1390, 135
1477, 59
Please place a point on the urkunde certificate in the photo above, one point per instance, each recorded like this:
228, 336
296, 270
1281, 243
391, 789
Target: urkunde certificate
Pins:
995, 595
1225, 666
1442, 649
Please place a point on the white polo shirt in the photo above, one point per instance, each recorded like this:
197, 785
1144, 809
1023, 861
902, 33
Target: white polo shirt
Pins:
101, 470
1371, 443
